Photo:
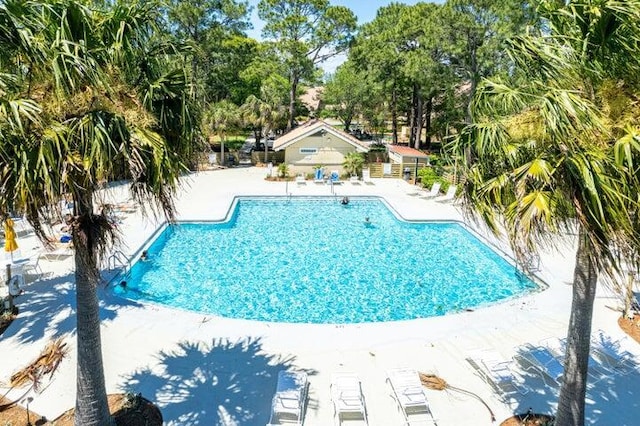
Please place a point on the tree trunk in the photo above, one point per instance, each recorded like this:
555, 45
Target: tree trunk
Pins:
91, 395
427, 117
571, 404
413, 115
419, 113
292, 100
394, 115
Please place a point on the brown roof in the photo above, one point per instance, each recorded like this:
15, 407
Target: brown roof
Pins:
406, 151
311, 127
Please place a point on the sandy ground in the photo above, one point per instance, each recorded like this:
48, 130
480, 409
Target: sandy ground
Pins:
204, 370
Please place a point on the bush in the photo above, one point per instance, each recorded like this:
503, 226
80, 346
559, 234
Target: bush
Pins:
283, 170
429, 175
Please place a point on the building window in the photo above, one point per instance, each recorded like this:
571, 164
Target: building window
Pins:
308, 150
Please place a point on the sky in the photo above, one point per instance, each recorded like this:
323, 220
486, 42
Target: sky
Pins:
365, 11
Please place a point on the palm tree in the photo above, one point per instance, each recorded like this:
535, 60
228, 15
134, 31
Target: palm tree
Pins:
219, 119
353, 162
85, 94
545, 156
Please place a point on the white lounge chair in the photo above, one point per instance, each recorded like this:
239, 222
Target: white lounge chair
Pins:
434, 191
542, 360
449, 196
609, 352
366, 177
497, 372
348, 401
409, 395
288, 404
300, 179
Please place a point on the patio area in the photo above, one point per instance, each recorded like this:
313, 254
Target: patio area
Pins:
203, 370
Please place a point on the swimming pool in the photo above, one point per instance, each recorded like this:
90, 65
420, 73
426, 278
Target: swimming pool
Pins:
314, 260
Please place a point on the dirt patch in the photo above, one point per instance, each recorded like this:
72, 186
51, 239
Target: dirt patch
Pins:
631, 327
127, 410
529, 419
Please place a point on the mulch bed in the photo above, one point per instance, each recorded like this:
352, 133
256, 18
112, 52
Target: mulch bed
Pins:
529, 419
631, 327
127, 411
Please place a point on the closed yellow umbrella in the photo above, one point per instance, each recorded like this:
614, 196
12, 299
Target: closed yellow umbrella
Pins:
10, 243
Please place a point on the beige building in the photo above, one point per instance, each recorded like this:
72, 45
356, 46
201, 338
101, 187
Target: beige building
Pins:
316, 143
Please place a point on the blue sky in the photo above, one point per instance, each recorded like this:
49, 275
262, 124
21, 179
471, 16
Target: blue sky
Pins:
365, 11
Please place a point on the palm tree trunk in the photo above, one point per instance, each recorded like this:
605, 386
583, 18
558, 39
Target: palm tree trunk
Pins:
91, 395
571, 404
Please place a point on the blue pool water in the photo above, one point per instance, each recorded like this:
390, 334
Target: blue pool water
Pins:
314, 260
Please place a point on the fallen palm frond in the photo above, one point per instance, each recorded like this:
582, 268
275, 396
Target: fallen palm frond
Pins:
433, 382
46, 363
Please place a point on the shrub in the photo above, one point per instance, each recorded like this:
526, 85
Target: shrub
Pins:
429, 175
283, 170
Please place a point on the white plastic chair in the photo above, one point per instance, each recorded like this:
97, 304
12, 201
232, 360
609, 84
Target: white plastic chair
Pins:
288, 404
497, 372
449, 196
409, 395
348, 401
434, 191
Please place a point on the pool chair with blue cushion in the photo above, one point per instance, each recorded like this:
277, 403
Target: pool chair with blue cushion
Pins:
410, 397
348, 401
318, 177
288, 403
334, 177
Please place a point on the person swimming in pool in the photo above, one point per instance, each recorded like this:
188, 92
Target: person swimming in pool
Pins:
144, 256
345, 201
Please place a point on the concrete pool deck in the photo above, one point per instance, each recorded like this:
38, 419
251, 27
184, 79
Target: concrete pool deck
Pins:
204, 370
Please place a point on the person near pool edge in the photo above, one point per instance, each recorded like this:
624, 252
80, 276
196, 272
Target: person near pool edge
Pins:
345, 200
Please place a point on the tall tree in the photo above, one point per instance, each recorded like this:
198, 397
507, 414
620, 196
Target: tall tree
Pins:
345, 93
304, 34
554, 152
478, 30
219, 119
214, 31
87, 93
376, 51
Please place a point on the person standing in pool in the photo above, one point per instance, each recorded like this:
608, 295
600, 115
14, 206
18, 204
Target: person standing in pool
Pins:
345, 201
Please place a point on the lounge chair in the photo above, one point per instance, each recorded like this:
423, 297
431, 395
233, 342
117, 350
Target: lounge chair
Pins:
543, 361
409, 395
288, 404
496, 372
434, 191
366, 177
300, 179
334, 178
449, 196
354, 179
318, 176
610, 354
348, 401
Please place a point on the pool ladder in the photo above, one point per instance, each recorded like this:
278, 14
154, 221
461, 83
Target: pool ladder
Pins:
119, 260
